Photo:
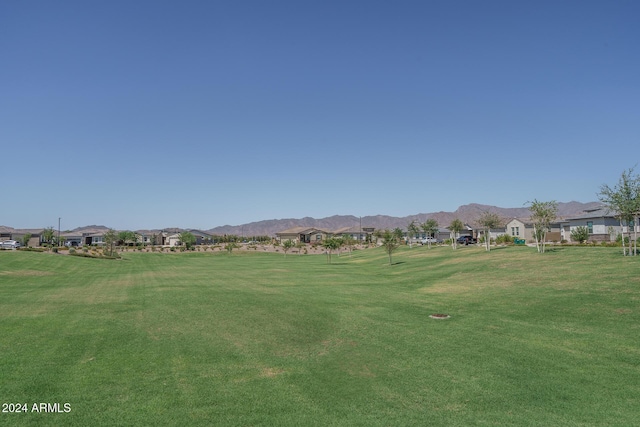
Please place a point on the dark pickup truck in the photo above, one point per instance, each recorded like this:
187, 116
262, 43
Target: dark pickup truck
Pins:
466, 240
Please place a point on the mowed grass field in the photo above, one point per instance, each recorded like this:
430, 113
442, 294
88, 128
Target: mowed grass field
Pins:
256, 339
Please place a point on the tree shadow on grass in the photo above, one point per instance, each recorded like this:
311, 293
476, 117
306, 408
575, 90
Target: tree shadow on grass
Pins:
554, 249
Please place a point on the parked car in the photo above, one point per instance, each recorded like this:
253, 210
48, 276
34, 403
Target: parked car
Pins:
10, 244
427, 240
466, 240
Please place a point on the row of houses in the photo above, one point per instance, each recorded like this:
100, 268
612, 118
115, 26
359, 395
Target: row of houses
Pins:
359, 234
96, 238
317, 235
601, 223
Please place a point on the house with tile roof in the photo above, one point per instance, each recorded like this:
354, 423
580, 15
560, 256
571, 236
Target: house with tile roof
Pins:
522, 228
602, 223
304, 235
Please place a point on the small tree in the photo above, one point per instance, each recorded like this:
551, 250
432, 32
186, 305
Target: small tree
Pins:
580, 234
230, 247
542, 215
330, 245
187, 239
110, 238
126, 237
399, 234
286, 245
25, 239
455, 227
412, 231
430, 228
340, 243
390, 242
48, 234
624, 200
489, 220
348, 241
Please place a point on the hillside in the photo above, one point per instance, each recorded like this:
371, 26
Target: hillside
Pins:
467, 213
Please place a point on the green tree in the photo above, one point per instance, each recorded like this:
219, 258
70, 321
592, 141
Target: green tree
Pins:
110, 238
286, 245
399, 234
340, 242
455, 227
580, 234
542, 215
430, 228
413, 229
187, 239
348, 241
487, 221
624, 200
126, 237
48, 234
330, 245
230, 247
25, 240
390, 241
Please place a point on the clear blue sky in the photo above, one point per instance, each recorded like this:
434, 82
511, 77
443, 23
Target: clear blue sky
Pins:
150, 114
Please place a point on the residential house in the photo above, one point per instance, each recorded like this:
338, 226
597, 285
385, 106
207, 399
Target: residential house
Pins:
494, 233
359, 234
172, 240
151, 237
522, 228
201, 236
72, 238
304, 235
18, 234
601, 222
93, 238
35, 236
5, 233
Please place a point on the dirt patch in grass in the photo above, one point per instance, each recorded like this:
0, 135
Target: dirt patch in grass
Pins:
271, 372
25, 273
454, 287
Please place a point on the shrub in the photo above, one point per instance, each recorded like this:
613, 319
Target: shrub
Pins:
504, 239
580, 234
30, 249
619, 240
72, 251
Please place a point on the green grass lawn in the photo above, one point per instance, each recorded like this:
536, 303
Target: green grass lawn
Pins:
257, 339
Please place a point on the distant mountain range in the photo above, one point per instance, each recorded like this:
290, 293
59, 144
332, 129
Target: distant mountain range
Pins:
466, 213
